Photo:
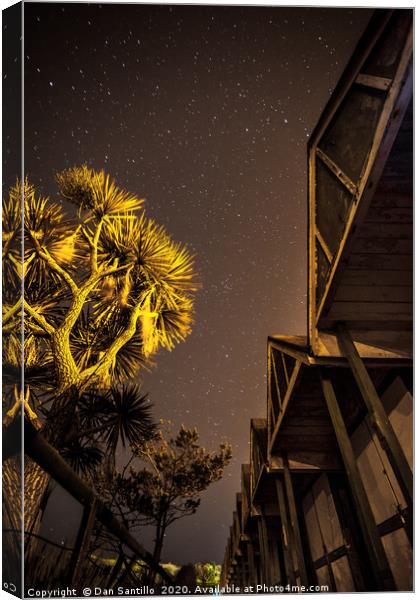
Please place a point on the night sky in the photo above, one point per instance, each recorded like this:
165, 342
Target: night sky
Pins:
205, 112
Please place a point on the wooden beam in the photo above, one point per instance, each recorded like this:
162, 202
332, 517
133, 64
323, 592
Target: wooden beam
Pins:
287, 397
379, 417
373, 81
81, 552
264, 554
310, 461
339, 173
285, 533
270, 409
324, 246
115, 569
276, 380
312, 277
240, 570
294, 522
379, 562
285, 372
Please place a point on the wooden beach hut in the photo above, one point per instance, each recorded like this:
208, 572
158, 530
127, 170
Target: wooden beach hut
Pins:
331, 465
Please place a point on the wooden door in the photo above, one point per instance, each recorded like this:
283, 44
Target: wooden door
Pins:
385, 497
330, 550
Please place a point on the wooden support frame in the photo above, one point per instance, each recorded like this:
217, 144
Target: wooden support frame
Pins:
295, 523
379, 562
369, 39
398, 95
378, 415
287, 396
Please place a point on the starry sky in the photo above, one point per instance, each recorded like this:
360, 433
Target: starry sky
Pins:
205, 111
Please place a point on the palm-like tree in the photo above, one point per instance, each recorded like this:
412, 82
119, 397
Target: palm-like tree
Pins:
99, 421
95, 283
105, 288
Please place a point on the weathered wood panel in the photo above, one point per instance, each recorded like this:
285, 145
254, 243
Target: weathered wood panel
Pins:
371, 460
349, 146
309, 442
354, 311
383, 61
385, 230
330, 529
312, 409
398, 403
308, 461
400, 556
342, 575
390, 214
379, 417
333, 204
386, 196
379, 562
357, 293
381, 261
371, 343
307, 426
367, 278
375, 245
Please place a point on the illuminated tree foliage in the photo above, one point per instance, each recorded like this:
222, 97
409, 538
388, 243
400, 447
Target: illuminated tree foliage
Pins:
208, 574
174, 471
104, 288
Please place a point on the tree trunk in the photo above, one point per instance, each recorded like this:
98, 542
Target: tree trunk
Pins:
67, 371
12, 518
157, 551
36, 483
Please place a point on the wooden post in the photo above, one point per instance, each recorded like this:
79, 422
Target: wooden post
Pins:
128, 567
82, 551
243, 572
77, 545
379, 562
285, 534
252, 576
295, 523
379, 417
264, 553
275, 562
115, 570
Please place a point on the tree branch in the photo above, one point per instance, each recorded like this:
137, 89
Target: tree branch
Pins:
53, 264
12, 311
42, 322
94, 248
8, 328
98, 276
124, 337
34, 328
